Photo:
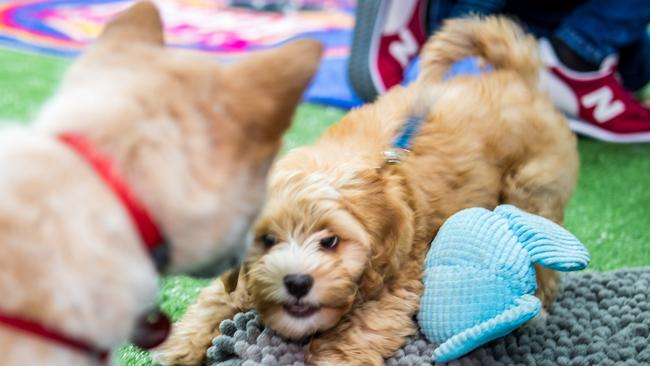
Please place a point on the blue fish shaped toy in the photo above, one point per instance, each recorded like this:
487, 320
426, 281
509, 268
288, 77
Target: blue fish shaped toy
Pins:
480, 275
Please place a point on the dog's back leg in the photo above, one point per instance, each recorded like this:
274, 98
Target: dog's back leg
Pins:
542, 185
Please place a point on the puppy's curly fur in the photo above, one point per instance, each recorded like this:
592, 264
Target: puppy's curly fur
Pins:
485, 141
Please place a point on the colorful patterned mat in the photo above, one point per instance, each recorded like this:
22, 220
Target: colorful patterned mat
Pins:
223, 28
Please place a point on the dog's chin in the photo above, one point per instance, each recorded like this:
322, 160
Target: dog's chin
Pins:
296, 321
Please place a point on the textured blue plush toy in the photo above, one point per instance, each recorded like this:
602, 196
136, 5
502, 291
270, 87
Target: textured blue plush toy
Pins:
479, 275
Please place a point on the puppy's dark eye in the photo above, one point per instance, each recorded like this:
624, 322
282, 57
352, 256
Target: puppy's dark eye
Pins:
330, 242
268, 240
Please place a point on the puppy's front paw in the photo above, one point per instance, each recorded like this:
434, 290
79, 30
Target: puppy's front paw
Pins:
320, 354
326, 353
178, 351
342, 360
329, 361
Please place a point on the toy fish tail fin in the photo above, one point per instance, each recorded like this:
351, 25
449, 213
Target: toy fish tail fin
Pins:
548, 243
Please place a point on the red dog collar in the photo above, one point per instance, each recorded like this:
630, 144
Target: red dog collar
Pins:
105, 169
53, 336
152, 328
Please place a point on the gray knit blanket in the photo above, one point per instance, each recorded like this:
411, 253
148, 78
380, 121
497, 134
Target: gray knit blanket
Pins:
598, 319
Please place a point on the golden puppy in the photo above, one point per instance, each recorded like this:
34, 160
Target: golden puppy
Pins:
189, 142
341, 242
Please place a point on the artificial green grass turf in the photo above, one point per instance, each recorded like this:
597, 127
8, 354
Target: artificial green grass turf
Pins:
610, 211
25, 82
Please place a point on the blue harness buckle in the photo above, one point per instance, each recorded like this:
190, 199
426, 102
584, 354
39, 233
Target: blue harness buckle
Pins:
395, 155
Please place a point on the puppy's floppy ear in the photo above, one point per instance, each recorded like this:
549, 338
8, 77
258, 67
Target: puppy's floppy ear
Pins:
231, 279
388, 221
139, 23
272, 83
389, 250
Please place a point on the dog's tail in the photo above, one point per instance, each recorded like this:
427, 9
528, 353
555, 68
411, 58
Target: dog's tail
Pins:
495, 40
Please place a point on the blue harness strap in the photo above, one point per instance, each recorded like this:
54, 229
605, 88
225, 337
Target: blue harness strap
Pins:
403, 142
405, 138
469, 65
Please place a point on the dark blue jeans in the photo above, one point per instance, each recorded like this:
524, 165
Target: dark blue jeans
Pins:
594, 29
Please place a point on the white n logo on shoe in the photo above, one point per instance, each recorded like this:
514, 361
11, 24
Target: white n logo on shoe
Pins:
404, 48
606, 106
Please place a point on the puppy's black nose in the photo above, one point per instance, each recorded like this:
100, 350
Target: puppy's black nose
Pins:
298, 285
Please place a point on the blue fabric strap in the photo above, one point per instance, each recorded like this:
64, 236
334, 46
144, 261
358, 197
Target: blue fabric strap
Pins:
469, 65
405, 138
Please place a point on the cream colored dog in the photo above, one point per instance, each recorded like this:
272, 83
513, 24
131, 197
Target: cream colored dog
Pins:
192, 142
342, 239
